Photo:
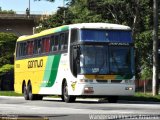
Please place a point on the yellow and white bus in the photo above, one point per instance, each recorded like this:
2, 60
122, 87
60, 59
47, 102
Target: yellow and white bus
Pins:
77, 60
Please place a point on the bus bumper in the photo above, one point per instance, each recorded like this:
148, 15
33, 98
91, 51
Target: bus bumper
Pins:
104, 89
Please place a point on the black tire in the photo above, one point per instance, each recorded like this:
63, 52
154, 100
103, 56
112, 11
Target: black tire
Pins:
33, 96
65, 97
113, 99
25, 92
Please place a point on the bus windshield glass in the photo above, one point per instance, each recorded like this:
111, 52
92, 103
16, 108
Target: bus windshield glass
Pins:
104, 59
93, 59
120, 59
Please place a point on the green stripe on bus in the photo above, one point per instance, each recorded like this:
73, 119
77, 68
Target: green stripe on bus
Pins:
63, 28
51, 70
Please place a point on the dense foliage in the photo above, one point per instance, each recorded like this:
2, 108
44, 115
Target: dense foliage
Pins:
7, 48
7, 11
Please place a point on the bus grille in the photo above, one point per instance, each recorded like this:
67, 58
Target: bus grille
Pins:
109, 81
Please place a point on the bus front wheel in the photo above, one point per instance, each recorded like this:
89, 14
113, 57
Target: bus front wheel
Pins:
67, 98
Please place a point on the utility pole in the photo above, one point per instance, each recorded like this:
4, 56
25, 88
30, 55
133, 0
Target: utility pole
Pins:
28, 9
29, 5
155, 81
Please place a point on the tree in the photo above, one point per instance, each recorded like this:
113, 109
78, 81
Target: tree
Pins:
146, 74
6, 68
7, 11
144, 56
7, 48
81, 12
56, 19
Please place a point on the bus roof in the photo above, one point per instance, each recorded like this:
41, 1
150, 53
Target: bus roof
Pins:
79, 26
100, 26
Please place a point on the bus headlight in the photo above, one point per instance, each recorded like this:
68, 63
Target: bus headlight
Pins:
88, 90
128, 88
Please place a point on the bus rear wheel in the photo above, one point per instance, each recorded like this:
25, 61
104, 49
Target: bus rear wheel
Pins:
65, 97
25, 92
33, 96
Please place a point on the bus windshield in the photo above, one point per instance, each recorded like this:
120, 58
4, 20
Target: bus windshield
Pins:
120, 59
93, 59
105, 59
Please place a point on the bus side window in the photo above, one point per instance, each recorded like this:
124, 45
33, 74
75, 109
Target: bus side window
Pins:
46, 44
74, 35
66, 41
52, 40
22, 49
30, 48
17, 50
39, 46
47, 47
35, 46
56, 43
43, 45
61, 42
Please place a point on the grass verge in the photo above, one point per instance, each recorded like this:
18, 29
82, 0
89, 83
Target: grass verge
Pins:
142, 97
9, 93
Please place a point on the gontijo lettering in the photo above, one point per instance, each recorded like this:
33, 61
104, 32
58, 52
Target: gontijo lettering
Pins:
35, 63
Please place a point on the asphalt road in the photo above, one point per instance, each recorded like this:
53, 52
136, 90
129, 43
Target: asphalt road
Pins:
82, 109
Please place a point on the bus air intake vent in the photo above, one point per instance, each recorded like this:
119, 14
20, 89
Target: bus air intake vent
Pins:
110, 81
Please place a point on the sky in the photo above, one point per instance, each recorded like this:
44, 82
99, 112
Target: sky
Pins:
39, 7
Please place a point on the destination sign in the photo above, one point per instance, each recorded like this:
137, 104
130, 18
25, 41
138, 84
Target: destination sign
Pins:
117, 43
